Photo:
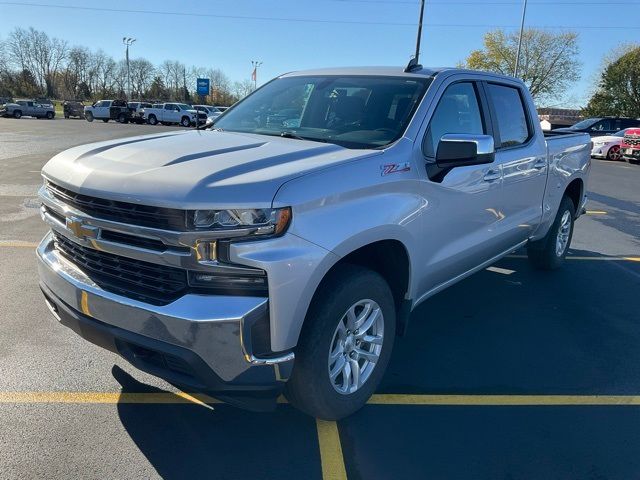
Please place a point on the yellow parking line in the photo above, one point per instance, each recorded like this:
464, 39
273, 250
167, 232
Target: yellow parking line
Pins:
530, 400
104, 397
596, 212
377, 399
330, 451
17, 244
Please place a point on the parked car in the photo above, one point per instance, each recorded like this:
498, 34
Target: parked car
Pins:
212, 112
252, 257
608, 146
601, 126
28, 108
172, 113
631, 145
72, 108
137, 111
106, 110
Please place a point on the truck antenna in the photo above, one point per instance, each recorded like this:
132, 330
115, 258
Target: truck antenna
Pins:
413, 63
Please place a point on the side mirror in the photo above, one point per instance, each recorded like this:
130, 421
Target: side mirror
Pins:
461, 149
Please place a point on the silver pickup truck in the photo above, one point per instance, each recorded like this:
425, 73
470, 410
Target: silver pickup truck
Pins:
286, 247
28, 108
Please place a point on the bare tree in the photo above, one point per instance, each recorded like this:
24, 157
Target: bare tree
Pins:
242, 89
142, 74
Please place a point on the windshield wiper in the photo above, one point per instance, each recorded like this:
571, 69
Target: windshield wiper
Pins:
287, 134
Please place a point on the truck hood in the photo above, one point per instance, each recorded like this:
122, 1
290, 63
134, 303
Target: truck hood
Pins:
196, 169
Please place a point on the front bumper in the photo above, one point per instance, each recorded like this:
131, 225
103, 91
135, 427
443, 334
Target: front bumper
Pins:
201, 342
633, 155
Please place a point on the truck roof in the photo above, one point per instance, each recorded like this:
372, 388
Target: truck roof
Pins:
392, 72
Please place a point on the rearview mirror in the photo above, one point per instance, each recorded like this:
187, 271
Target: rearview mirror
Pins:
460, 149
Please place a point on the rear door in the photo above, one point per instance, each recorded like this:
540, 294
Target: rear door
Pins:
101, 109
522, 156
170, 113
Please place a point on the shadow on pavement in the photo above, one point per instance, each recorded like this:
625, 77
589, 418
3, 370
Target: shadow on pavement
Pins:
192, 441
570, 331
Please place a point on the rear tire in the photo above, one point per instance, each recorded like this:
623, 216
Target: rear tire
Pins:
185, 122
330, 341
549, 252
105, 120
122, 118
49, 115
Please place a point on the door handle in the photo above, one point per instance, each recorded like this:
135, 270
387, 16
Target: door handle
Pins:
540, 164
492, 176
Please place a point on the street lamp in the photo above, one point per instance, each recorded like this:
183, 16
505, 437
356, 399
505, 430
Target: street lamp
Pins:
128, 41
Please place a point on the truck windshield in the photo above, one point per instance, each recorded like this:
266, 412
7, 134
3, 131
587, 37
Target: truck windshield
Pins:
351, 111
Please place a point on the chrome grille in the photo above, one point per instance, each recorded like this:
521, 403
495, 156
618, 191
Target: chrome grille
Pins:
144, 281
123, 212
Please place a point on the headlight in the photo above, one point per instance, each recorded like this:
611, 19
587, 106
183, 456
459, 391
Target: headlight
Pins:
265, 221
599, 144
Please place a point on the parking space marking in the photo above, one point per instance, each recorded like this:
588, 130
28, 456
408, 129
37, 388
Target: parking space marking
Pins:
17, 244
596, 212
106, 397
376, 399
330, 451
503, 271
610, 259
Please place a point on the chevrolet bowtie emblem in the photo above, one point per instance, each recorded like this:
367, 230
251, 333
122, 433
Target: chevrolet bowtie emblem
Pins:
80, 229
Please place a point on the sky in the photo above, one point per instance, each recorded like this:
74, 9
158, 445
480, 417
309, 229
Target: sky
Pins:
291, 35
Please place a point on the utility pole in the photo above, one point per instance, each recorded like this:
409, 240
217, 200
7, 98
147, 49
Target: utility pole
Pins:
254, 75
524, 13
128, 41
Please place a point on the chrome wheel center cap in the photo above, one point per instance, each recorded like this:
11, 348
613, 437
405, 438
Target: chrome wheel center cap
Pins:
349, 343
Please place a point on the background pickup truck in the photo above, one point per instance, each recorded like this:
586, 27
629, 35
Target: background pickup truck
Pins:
170, 113
106, 110
29, 108
285, 248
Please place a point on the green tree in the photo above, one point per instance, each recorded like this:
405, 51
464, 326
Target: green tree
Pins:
548, 61
618, 92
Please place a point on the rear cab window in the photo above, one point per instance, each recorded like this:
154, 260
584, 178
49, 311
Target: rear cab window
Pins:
511, 121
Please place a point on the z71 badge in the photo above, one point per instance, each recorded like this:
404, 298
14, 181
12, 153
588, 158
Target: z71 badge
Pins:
395, 168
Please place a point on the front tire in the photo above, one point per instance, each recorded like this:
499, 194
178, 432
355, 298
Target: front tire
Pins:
17, 114
549, 252
345, 344
89, 117
614, 153
105, 120
152, 120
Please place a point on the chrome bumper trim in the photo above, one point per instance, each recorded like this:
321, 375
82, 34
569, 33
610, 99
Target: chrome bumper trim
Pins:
209, 325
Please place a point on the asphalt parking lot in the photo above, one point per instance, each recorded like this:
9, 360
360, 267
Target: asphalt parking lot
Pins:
510, 374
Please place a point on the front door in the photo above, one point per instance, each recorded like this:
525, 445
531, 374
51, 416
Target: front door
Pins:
463, 205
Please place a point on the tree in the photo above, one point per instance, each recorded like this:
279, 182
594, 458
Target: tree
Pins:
548, 61
618, 93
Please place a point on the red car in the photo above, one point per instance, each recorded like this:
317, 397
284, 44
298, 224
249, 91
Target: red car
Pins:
630, 147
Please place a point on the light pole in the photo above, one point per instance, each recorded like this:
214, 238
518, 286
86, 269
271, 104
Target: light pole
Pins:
517, 65
254, 75
128, 41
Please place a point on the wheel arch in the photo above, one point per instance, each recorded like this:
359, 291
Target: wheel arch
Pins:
575, 191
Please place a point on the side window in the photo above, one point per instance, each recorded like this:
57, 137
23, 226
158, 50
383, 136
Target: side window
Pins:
458, 111
511, 115
168, 106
